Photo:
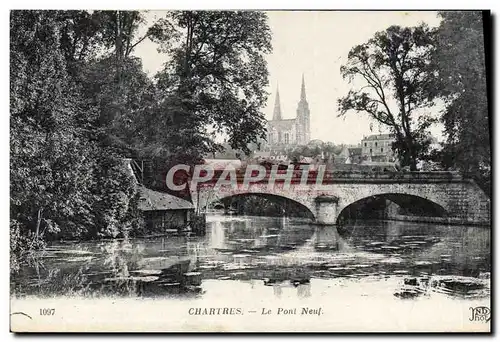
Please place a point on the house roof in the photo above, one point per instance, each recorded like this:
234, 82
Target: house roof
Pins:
379, 137
155, 200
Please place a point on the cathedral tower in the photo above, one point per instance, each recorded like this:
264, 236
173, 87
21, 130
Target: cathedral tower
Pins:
303, 117
277, 106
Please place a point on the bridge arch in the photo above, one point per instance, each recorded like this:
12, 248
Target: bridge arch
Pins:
380, 206
270, 196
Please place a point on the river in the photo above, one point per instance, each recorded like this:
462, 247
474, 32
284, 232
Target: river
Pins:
268, 260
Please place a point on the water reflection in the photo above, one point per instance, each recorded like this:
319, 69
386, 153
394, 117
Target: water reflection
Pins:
284, 254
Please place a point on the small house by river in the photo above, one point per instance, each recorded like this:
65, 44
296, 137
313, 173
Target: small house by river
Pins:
164, 212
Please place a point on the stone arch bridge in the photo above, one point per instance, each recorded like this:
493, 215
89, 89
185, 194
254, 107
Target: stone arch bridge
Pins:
444, 197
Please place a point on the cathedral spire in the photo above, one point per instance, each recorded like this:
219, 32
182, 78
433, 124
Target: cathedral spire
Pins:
277, 106
303, 89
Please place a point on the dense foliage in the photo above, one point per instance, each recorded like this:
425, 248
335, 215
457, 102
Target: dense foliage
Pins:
460, 59
401, 72
81, 105
395, 84
66, 181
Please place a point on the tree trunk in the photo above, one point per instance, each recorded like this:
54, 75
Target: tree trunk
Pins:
410, 151
38, 222
413, 157
413, 164
118, 38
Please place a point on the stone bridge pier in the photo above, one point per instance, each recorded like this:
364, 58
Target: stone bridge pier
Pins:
326, 209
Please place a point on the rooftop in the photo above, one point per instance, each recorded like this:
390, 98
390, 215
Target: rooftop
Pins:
379, 137
155, 200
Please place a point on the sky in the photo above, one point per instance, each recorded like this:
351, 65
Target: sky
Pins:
316, 44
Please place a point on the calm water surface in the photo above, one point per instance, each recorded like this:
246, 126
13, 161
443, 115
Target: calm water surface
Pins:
401, 259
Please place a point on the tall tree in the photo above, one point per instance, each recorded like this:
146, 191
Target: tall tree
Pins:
395, 82
66, 180
460, 58
113, 85
87, 34
215, 80
49, 167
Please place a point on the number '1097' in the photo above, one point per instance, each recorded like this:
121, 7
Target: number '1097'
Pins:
47, 312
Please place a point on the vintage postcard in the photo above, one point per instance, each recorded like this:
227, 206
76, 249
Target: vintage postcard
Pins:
250, 171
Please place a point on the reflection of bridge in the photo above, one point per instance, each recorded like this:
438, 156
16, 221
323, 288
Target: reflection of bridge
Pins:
436, 196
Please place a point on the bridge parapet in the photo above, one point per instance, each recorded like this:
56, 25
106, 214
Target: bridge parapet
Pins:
333, 177
428, 176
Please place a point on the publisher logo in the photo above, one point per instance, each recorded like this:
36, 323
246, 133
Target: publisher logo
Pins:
480, 314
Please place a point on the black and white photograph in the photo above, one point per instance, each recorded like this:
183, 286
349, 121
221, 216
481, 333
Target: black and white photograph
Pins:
248, 170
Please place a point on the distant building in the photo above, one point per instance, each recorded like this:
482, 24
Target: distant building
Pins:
286, 132
377, 148
341, 157
354, 155
350, 154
